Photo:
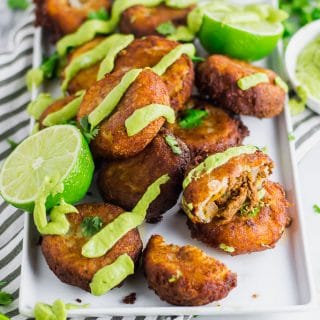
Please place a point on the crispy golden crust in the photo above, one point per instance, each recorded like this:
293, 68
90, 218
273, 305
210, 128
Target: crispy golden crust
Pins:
85, 78
216, 133
112, 140
124, 182
143, 21
55, 106
148, 52
60, 18
185, 276
246, 233
217, 78
235, 181
63, 253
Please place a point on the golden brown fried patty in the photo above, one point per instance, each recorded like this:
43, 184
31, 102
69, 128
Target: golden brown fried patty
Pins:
143, 21
221, 193
216, 132
55, 106
250, 232
148, 52
85, 78
112, 140
217, 78
185, 276
123, 182
63, 253
59, 17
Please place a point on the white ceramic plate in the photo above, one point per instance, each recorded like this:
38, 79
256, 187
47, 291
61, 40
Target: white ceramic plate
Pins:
270, 281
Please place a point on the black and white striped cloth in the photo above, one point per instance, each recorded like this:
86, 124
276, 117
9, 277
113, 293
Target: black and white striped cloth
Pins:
14, 124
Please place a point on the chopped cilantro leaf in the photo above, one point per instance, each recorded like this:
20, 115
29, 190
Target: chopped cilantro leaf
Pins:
5, 298
173, 144
197, 59
18, 4
89, 133
316, 208
49, 66
13, 145
175, 277
90, 226
192, 118
166, 28
291, 136
101, 14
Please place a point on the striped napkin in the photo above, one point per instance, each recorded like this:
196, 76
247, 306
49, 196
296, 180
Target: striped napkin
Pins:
14, 125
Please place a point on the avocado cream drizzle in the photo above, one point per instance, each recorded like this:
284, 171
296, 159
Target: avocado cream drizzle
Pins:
90, 28
35, 108
105, 239
216, 160
68, 112
107, 50
59, 224
252, 80
142, 117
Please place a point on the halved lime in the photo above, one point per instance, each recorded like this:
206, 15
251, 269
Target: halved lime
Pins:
58, 151
248, 33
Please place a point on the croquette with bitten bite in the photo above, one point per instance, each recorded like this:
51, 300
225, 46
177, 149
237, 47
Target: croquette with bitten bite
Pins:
147, 52
112, 140
185, 276
60, 17
216, 132
217, 78
123, 182
63, 252
143, 21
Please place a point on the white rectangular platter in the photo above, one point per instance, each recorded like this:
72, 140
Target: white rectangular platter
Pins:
270, 281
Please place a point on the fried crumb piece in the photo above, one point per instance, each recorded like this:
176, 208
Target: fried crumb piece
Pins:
78, 300
130, 298
255, 296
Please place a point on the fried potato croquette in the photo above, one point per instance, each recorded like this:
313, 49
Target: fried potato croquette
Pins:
112, 140
217, 78
85, 78
63, 253
216, 132
123, 182
185, 276
147, 52
234, 207
143, 21
55, 106
61, 17
245, 233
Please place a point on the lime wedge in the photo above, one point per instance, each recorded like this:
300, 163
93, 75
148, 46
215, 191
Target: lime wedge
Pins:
248, 33
58, 152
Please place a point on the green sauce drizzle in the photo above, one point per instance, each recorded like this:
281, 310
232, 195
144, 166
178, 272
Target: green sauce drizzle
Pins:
106, 238
173, 56
106, 50
57, 311
180, 3
111, 275
182, 33
34, 78
142, 117
105, 108
36, 107
280, 83
59, 224
216, 160
254, 79
119, 42
68, 112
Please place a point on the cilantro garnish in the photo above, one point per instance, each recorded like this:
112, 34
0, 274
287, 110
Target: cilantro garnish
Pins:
88, 132
192, 118
166, 28
173, 144
13, 145
5, 298
316, 208
101, 14
90, 226
49, 66
18, 4
244, 210
197, 59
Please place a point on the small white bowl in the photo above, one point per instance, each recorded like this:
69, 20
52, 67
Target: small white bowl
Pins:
297, 43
